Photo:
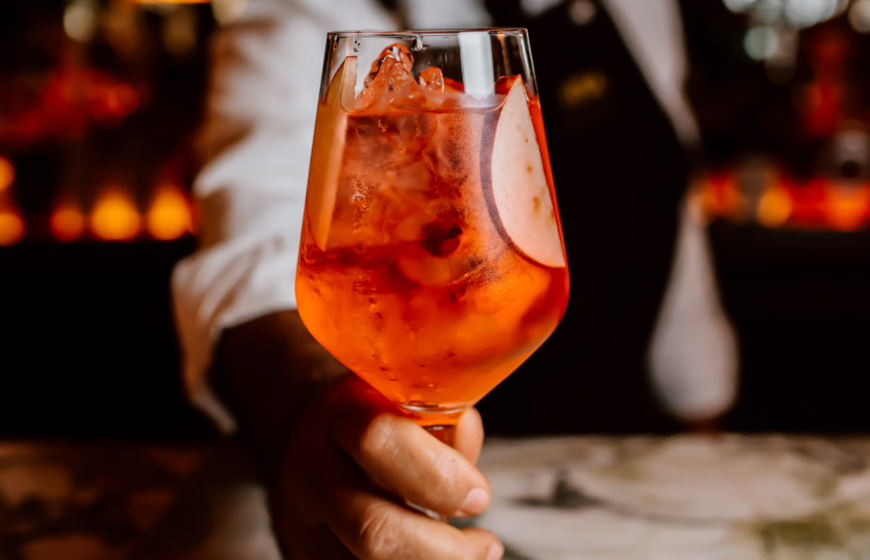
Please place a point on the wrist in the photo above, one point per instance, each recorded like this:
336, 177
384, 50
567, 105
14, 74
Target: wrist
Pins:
266, 372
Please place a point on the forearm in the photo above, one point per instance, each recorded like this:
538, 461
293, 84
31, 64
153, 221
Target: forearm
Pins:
265, 371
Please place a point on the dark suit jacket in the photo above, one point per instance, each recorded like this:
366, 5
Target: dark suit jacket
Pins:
620, 174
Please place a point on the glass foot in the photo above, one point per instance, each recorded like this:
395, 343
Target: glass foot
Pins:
429, 513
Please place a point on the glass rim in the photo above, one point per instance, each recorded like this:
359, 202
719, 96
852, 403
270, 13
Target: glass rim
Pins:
427, 32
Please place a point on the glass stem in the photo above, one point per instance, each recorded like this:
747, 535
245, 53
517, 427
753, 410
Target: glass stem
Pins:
444, 434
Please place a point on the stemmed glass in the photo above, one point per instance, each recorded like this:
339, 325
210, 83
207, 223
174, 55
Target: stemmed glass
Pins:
432, 262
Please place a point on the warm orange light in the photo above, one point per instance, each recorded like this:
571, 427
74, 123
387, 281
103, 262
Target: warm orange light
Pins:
11, 228
720, 196
67, 223
847, 208
775, 207
169, 215
696, 206
114, 217
7, 174
122, 100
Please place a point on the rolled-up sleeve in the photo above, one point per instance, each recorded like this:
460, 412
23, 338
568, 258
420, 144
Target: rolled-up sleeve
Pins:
256, 144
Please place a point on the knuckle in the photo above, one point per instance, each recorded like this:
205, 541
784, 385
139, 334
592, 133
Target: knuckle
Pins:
379, 532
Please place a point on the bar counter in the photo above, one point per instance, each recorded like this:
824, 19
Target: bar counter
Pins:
680, 498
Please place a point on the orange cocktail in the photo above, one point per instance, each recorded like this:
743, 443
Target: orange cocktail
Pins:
431, 261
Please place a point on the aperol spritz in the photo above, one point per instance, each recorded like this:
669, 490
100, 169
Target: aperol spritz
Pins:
432, 262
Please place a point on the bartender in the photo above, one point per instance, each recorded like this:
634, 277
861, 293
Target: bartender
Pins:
643, 345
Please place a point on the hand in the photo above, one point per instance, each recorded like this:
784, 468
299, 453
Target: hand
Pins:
351, 463
340, 461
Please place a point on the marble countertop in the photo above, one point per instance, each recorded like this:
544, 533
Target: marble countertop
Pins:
682, 498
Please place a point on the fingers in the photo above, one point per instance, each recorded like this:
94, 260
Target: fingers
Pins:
469, 435
399, 454
373, 528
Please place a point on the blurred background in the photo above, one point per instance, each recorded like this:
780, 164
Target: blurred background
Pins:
780, 91
100, 101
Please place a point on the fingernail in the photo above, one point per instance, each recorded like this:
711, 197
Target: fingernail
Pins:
496, 552
475, 502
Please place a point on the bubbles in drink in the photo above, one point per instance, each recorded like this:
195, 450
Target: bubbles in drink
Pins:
360, 200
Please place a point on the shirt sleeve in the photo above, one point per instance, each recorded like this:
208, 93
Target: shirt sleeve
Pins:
256, 144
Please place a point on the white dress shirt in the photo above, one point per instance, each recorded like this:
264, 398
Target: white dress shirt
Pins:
257, 144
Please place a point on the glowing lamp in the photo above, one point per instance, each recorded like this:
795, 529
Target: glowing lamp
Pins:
847, 208
169, 215
114, 217
11, 228
67, 223
775, 207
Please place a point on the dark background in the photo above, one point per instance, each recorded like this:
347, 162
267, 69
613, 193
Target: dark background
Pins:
88, 348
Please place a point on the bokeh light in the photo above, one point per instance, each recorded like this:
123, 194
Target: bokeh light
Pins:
721, 197
180, 31
67, 223
761, 43
228, 11
859, 16
797, 14
775, 207
846, 207
7, 174
804, 13
114, 217
738, 5
169, 215
80, 20
122, 100
11, 228
582, 12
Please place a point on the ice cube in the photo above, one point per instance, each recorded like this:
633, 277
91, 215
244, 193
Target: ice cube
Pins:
390, 72
409, 133
397, 52
432, 79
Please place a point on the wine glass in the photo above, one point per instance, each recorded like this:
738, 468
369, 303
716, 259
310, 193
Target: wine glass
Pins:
432, 261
